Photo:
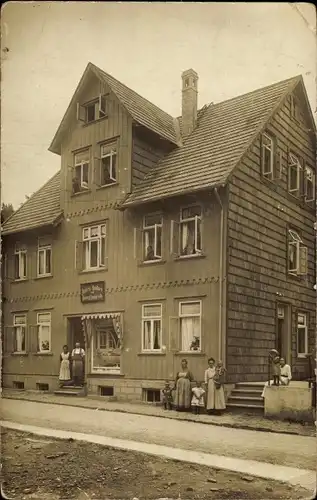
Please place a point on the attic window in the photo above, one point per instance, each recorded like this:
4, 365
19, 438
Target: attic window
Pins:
187, 82
93, 110
294, 108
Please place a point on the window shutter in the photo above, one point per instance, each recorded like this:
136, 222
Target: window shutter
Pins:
174, 333
102, 105
302, 177
303, 261
79, 255
32, 338
261, 154
80, 113
175, 238
278, 163
137, 244
8, 340
97, 171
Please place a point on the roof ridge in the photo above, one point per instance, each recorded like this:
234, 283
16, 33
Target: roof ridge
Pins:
134, 91
30, 198
260, 89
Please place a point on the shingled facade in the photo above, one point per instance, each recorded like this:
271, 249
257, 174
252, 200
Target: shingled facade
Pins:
162, 238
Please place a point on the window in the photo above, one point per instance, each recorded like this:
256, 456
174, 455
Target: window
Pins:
152, 237
190, 325
80, 178
151, 327
44, 257
294, 173
309, 184
44, 332
19, 332
152, 395
107, 340
267, 156
93, 110
20, 256
94, 241
190, 231
294, 110
302, 334
297, 254
108, 164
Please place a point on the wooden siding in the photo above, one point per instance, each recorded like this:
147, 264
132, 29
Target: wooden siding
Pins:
260, 212
145, 154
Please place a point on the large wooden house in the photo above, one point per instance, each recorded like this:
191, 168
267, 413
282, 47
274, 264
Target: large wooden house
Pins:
162, 238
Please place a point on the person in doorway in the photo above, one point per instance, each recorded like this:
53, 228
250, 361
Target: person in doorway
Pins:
285, 376
64, 371
198, 398
182, 387
78, 364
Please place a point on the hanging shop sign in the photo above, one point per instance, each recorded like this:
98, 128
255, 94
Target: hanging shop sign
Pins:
92, 292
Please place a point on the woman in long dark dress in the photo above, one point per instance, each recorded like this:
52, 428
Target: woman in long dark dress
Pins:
78, 364
183, 388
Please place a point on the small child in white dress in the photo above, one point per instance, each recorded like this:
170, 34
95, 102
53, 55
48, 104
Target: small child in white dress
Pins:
198, 398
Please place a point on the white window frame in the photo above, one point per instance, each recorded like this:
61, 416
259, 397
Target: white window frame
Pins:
151, 319
147, 227
302, 326
293, 161
44, 248
181, 316
183, 221
309, 172
81, 163
267, 147
89, 239
99, 109
21, 253
41, 324
295, 240
112, 153
19, 327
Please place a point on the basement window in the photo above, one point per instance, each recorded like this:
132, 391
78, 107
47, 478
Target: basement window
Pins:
152, 395
106, 390
42, 387
18, 385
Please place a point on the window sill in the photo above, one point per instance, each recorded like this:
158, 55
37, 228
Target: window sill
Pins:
43, 354
192, 256
20, 280
151, 353
295, 276
104, 374
88, 271
85, 191
190, 353
302, 356
151, 262
19, 353
46, 276
116, 183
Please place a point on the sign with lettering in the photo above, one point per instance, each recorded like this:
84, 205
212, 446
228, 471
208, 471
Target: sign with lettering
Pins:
92, 292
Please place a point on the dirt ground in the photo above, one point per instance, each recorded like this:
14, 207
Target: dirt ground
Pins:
52, 469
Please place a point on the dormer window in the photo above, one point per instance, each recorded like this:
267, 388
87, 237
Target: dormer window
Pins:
93, 110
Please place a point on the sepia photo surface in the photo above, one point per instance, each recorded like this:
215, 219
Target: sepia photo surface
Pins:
158, 251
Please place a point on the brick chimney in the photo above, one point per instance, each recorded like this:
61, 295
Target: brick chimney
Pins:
189, 101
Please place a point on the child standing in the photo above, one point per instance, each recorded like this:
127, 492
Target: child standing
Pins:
167, 397
198, 398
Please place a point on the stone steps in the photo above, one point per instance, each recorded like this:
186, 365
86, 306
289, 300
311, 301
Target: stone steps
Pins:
246, 398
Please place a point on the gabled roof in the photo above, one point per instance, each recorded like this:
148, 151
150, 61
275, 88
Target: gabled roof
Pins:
223, 135
41, 209
140, 109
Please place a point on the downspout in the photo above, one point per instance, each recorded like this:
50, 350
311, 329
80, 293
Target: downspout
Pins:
221, 340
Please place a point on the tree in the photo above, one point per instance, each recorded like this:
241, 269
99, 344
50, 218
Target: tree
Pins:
6, 210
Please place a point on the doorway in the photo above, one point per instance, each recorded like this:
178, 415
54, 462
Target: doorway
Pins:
75, 332
283, 332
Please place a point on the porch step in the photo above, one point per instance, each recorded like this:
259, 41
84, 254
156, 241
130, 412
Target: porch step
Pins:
247, 392
246, 400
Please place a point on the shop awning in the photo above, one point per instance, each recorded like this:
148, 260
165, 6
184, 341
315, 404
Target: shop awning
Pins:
101, 315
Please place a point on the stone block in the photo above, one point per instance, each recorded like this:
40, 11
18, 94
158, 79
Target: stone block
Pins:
288, 403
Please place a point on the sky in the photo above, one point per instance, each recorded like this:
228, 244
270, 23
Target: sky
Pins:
45, 47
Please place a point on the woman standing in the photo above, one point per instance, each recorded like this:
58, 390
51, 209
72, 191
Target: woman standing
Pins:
78, 358
64, 371
210, 385
182, 387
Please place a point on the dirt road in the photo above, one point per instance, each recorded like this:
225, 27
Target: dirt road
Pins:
295, 451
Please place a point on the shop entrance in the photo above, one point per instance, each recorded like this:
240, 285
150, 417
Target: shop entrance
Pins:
75, 333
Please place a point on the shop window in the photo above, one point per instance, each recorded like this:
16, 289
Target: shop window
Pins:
106, 346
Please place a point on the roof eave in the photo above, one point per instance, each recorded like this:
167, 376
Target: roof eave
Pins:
53, 223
